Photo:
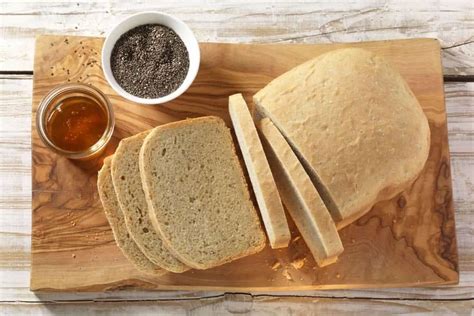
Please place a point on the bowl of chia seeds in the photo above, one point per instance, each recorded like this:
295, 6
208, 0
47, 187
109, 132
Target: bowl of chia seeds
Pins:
150, 58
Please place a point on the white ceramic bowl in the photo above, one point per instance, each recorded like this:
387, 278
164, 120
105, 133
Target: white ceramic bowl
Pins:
151, 17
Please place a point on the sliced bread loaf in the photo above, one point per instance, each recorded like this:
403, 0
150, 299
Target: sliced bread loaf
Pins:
301, 198
117, 223
354, 123
263, 184
131, 197
197, 193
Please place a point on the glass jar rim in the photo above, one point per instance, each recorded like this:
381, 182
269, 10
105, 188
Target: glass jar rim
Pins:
65, 89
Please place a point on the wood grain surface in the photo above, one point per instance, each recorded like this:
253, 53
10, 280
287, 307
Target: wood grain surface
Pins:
412, 237
15, 236
277, 21
245, 304
233, 21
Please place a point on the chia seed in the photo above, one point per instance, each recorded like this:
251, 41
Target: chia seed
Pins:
149, 61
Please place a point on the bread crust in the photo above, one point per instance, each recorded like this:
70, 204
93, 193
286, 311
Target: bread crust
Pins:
355, 124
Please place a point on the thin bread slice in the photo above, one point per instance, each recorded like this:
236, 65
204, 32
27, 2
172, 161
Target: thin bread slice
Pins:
301, 197
117, 222
131, 197
354, 123
197, 193
263, 184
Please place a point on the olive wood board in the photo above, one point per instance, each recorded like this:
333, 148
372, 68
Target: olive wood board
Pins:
407, 241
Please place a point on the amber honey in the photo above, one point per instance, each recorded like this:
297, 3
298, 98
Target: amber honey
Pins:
76, 123
75, 120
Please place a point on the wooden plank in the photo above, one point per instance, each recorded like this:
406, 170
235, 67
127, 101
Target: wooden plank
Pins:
65, 194
452, 22
15, 203
231, 304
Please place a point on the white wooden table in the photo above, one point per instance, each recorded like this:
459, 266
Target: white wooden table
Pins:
452, 22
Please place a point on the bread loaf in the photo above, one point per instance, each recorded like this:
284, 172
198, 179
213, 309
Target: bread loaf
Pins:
354, 123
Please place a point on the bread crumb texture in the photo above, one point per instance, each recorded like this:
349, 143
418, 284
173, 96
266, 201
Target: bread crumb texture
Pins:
199, 197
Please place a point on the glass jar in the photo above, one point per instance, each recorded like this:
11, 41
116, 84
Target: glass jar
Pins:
54, 103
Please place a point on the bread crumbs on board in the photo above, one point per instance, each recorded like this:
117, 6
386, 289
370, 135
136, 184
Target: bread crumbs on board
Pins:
298, 263
276, 265
287, 275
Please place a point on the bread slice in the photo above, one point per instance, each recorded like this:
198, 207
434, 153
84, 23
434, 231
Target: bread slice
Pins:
197, 193
261, 177
301, 198
131, 197
117, 223
355, 124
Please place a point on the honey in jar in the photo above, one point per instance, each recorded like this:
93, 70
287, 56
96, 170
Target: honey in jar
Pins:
76, 123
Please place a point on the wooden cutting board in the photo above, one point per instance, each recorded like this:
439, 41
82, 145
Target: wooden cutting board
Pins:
408, 241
